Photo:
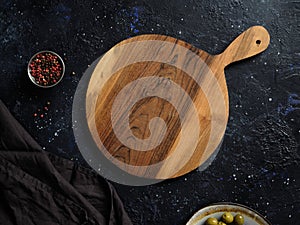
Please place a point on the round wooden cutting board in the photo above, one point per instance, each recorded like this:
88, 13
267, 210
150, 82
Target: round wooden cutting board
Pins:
157, 107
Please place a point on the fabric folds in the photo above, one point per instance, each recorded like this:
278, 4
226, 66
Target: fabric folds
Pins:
37, 187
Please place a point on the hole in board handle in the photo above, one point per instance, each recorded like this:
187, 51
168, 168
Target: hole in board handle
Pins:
258, 42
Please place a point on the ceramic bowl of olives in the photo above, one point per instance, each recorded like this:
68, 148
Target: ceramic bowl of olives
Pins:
227, 214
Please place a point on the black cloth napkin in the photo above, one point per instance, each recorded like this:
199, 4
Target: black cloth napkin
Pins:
37, 187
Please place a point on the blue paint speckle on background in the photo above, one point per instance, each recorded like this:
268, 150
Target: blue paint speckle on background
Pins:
294, 67
63, 12
131, 19
269, 175
293, 103
135, 22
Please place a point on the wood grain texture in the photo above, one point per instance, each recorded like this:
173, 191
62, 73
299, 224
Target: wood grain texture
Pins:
182, 146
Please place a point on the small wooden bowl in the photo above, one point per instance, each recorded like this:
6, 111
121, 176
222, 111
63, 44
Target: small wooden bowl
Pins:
35, 79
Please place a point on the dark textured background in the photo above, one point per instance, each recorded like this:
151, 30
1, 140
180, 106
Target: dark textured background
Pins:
258, 164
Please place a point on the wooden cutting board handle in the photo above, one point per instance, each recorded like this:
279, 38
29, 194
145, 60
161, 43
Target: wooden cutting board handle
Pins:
251, 42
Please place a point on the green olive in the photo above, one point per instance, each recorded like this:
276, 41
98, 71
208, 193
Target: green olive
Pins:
211, 221
227, 217
239, 219
221, 223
